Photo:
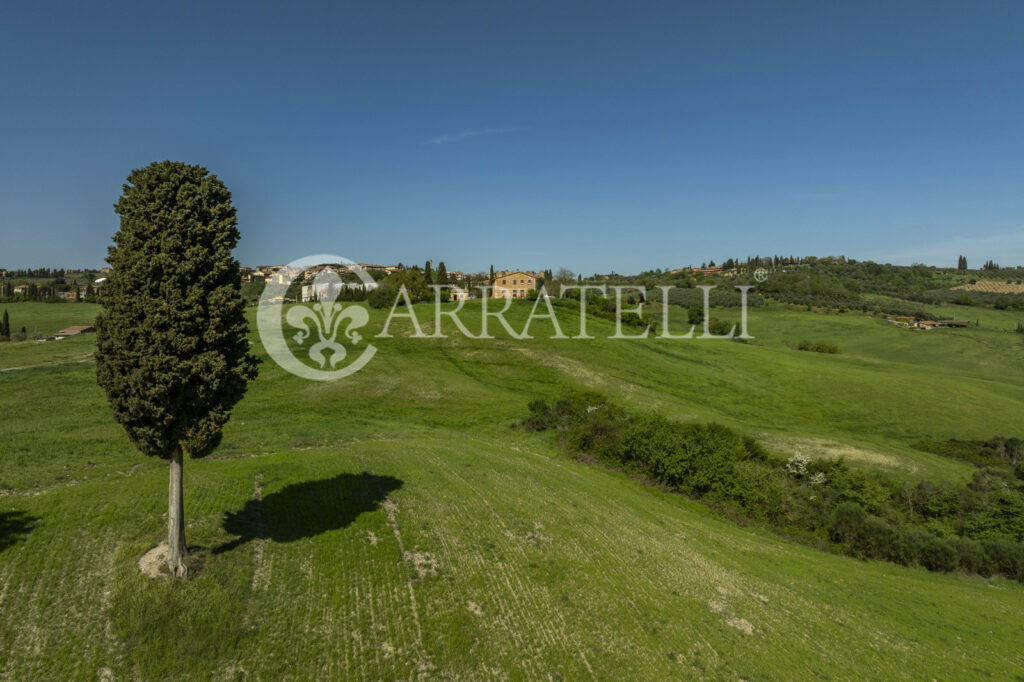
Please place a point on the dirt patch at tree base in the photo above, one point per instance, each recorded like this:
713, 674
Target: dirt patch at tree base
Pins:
154, 562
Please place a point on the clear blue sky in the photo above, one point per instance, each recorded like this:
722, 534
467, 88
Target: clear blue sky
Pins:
594, 136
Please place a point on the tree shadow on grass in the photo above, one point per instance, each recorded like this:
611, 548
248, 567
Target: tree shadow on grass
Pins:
303, 510
15, 525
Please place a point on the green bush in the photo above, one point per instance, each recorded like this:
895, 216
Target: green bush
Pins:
818, 347
1005, 556
694, 458
939, 554
971, 556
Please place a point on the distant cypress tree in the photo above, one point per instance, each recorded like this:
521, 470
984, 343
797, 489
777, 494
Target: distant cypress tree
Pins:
428, 275
5, 325
172, 353
442, 273
492, 275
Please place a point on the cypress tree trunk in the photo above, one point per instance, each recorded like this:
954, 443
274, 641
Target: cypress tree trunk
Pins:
176, 550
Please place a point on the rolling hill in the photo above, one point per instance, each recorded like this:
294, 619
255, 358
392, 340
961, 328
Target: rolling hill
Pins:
394, 525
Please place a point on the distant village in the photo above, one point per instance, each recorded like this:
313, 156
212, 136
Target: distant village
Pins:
85, 285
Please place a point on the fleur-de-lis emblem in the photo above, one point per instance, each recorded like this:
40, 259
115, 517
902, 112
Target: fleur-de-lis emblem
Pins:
327, 318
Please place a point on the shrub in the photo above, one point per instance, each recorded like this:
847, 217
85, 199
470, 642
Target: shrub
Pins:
939, 554
796, 466
1005, 556
847, 521
382, 297
818, 347
971, 556
911, 546
563, 412
695, 458
719, 327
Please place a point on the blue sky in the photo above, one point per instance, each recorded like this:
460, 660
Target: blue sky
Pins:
595, 136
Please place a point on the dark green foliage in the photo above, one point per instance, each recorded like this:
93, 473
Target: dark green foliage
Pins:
999, 453
386, 293
818, 347
843, 285
381, 297
977, 527
963, 298
172, 352
604, 308
724, 296
1005, 556
691, 458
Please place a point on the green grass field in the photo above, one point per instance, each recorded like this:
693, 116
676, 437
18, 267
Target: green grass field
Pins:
395, 525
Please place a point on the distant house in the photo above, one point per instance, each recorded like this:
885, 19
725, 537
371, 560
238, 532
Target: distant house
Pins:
21, 289
75, 331
902, 320
517, 284
927, 324
324, 291
708, 271
105, 271
459, 294
68, 295
285, 275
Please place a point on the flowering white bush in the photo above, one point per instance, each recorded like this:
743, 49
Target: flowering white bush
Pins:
797, 465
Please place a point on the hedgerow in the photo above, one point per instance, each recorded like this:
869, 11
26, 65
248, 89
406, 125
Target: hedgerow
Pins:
975, 528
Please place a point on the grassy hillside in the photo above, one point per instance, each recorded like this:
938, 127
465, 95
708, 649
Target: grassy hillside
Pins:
394, 525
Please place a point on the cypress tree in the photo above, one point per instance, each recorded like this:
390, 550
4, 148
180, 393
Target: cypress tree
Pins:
442, 273
5, 325
171, 347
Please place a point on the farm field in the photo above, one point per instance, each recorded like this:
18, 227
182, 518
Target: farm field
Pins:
994, 287
395, 525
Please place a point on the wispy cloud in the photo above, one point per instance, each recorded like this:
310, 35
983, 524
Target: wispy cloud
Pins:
448, 138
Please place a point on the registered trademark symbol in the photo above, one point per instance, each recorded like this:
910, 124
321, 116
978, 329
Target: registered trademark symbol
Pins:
760, 274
